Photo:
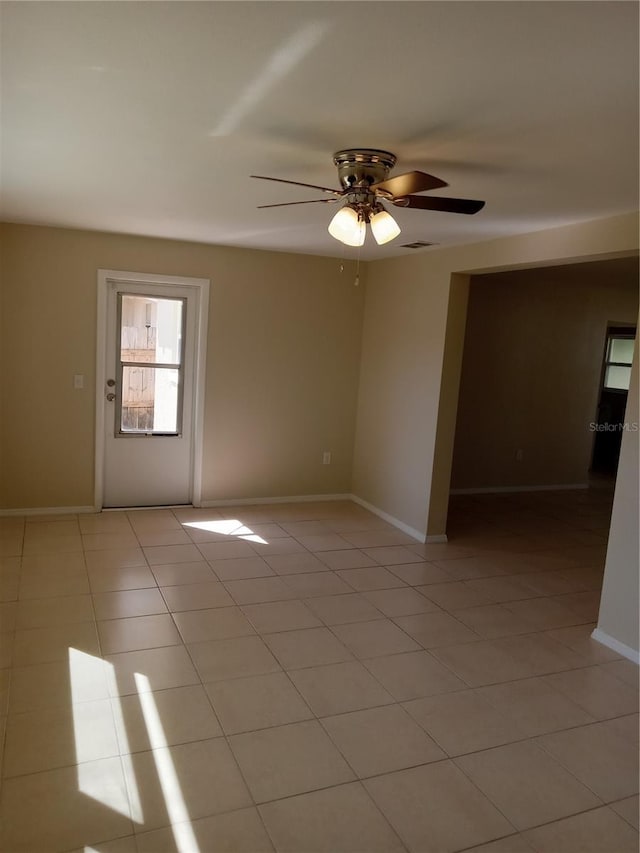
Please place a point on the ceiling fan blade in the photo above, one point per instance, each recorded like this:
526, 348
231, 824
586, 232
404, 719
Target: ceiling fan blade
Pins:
298, 184
311, 201
448, 205
410, 182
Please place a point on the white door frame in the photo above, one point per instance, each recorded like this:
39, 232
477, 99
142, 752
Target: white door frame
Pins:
201, 290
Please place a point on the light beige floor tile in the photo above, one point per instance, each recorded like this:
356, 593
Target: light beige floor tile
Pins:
241, 568
379, 740
435, 629
526, 784
196, 596
338, 688
340, 609
510, 844
316, 584
534, 706
48, 562
42, 645
153, 519
105, 522
114, 580
296, 564
116, 558
629, 810
305, 528
162, 537
125, 603
324, 542
492, 621
8, 616
167, 667
436, 809
262, 701
463, 722
185, 714
47, 612
413, 675
541, 653
397, 555
60, 737
597, 831
240, 831
310, 647
544, 613
225, 550
51, 685
600, 694
374, 577
217, 660
51, 585
500, 590
257, 590
342, 819
478, 567
349, 559
455, 595
388, 537
52, 544
627, 727
280, 616
218, 623
109, 541
625, 670
209, 779
482, 663
598, 757
178, 574
45, 529
288, 760
48, 811
161, 554
118, 845
138, 632
375, 639
400, 602
551, 583
281, 545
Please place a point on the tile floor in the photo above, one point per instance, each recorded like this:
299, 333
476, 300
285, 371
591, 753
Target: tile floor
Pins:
307, 678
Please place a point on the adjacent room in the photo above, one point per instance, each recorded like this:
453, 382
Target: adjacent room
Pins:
319, 427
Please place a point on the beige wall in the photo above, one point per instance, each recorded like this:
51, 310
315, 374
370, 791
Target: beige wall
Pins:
618, 619
400, 398
282, 364
531, 372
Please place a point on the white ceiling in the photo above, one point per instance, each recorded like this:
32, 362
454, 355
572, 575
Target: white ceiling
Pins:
148, 118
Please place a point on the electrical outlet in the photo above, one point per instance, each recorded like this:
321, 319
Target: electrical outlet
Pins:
519, 455
78, 381
326, 457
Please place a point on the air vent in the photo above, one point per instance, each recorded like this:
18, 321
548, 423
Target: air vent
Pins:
419, 244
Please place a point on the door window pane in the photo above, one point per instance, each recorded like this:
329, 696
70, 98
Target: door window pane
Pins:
617, 378
621, 350
151, 329
149, 399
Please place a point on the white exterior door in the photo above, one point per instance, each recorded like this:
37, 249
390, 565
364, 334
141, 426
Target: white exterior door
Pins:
149, 389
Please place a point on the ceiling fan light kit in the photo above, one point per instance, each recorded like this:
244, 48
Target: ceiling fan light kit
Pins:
364, 176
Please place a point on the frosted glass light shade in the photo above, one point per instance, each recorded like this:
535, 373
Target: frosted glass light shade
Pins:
347, 227
384, 227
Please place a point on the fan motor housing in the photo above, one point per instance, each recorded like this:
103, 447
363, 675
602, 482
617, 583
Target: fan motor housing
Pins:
362, 167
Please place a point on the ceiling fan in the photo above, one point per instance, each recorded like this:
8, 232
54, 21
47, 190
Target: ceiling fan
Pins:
363, 173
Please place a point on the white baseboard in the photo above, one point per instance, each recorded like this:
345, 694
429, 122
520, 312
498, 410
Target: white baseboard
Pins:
437, 539
48, 510
615, 645
490, 490
284, 500
410, 531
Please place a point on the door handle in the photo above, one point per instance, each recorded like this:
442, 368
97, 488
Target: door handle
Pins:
111, 397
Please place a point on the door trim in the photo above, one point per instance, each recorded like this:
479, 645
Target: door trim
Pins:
201, 289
